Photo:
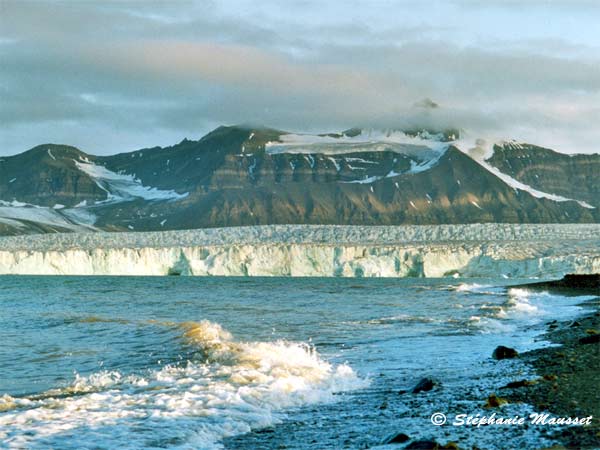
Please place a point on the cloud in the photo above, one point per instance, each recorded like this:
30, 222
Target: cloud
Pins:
112, 76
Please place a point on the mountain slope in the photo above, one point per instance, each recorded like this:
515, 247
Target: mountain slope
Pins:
574, 176
47, 175
247, 176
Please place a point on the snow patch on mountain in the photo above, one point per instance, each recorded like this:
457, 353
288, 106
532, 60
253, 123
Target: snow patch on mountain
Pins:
515, 184
424, 149
481, 150
424, 146
124, 187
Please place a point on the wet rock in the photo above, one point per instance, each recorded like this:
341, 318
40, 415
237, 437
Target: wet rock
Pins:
426, 384
591, 339
428, 444
423, 445
502, 352
399, 438
518, 384
494, 401
450, 446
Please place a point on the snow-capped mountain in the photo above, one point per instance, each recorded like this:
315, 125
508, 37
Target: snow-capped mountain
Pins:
248, 176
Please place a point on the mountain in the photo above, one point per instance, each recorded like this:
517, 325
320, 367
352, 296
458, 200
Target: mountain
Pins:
249, 176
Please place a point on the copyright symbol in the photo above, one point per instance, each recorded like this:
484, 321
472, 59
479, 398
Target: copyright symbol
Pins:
438, 419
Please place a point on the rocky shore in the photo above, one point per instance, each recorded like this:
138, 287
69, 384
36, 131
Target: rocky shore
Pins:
569, 379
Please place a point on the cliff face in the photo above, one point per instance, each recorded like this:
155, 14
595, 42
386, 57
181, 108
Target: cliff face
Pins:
238, 176
517, 251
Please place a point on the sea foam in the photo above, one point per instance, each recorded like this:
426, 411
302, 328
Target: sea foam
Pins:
231, 388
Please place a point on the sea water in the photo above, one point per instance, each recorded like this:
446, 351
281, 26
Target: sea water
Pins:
247, 363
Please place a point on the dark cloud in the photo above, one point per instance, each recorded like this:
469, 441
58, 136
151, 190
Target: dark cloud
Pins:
113, 76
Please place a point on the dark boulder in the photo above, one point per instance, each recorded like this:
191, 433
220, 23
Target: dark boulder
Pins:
518, 384
503, 352
427, 444
426, 384
591, 339
399, 438
423, 445
493, 401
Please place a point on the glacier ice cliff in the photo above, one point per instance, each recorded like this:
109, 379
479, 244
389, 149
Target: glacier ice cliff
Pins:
478, 250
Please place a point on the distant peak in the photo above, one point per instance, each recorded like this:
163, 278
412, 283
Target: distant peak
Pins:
54, 150
426, 103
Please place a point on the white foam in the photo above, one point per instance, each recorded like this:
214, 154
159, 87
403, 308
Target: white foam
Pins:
239, 386
472, 287
519, 302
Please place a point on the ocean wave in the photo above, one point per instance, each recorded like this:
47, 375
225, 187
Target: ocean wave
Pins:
477, 288
401, 318
231, 388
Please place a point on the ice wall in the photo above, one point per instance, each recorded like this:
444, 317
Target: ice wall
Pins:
465, 250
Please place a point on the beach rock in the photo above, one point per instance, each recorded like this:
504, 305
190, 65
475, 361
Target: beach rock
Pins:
423, 445
503, 352
426, 384
427, 444
450, 446
399, 438
494, 401
591, 339
518, 384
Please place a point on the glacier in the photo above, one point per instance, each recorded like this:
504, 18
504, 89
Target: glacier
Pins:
121, 187
477, 250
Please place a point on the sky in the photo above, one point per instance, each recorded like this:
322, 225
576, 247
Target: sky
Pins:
114, 76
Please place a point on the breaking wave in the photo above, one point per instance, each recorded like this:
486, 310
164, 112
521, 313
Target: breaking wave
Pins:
230, 389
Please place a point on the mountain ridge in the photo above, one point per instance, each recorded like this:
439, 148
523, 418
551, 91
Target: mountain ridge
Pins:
238, 175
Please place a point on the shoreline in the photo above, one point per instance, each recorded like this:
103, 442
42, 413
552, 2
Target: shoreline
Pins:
569, 375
